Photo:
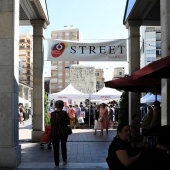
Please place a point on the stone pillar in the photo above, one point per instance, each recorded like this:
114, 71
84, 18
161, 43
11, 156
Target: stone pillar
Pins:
165, 47
10, 150
38, 80
134, 63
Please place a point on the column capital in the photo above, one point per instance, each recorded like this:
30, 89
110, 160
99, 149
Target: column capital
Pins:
133, 23
38, 23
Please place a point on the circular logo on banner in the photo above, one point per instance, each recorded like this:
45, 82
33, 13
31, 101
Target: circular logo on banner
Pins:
58, 49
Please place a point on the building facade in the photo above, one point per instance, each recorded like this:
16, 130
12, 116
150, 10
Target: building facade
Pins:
60, 70
150, 44
119, 72
26, 60
25, 69
83, 78
99, 74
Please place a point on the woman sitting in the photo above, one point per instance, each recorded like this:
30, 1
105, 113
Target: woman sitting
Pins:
120, 154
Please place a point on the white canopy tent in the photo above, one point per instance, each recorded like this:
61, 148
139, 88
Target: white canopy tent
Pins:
106, 94
68, 93
142, 99
152, 98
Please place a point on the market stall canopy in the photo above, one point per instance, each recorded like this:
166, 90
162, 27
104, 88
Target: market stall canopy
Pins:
157, 69
142, 99
135, 85
152, 98
68, 93
106, 94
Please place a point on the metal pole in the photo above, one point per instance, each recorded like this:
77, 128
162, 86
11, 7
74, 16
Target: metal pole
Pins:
89, 109
155, 94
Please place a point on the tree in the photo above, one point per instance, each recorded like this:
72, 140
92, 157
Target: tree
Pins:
46, 117
124, 107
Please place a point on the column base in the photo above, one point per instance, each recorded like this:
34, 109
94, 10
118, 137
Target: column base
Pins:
10, 157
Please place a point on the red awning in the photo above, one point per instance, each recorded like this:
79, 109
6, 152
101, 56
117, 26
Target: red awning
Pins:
135, 85
158, 69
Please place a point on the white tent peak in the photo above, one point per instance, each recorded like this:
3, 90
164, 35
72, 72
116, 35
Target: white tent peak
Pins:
151, 98
68, 93
106, 93
143, 99
108, 90
70, 90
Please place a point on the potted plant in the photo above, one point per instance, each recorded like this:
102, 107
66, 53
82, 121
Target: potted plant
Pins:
124, 107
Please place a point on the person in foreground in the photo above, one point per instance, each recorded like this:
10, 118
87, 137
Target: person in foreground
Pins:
120, 154
157, 158
59, 124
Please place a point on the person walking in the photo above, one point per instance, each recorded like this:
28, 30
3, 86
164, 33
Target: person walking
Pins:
96, 116
111, 116
71, 112
103, 118
77, 115
21, 113
59, 132
156, 118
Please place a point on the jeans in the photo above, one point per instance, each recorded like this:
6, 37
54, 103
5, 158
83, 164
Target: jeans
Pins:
56, 146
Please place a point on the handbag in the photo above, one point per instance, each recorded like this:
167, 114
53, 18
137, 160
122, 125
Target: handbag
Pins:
100, 119
69, 130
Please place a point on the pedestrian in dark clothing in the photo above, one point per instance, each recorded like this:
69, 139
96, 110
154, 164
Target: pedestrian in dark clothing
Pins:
96, 116
59, 122
156, 118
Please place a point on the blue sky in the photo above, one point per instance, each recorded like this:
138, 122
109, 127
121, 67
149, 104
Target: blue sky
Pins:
96, 20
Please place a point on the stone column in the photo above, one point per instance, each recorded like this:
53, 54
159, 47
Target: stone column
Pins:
10, 150
134, 63
165, 47
38, 80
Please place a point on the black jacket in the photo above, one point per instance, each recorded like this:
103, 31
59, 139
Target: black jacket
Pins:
59, 123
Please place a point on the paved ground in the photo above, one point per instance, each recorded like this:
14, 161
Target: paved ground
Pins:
85, 150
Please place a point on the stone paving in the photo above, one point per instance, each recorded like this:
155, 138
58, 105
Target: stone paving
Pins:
85, 150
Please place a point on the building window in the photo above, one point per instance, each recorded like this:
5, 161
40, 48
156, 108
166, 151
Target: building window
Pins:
150, 51
158, 36
150, 59
22, 46
158, 52
22, 40
96, 74
158, 44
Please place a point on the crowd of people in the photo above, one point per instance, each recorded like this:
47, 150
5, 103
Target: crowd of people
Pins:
62, 117
121, 154
90, 114
149, 124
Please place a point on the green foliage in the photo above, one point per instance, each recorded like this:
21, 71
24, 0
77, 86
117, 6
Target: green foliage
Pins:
124, 107
46, 117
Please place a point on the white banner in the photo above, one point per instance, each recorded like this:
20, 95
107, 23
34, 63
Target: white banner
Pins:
65, 50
